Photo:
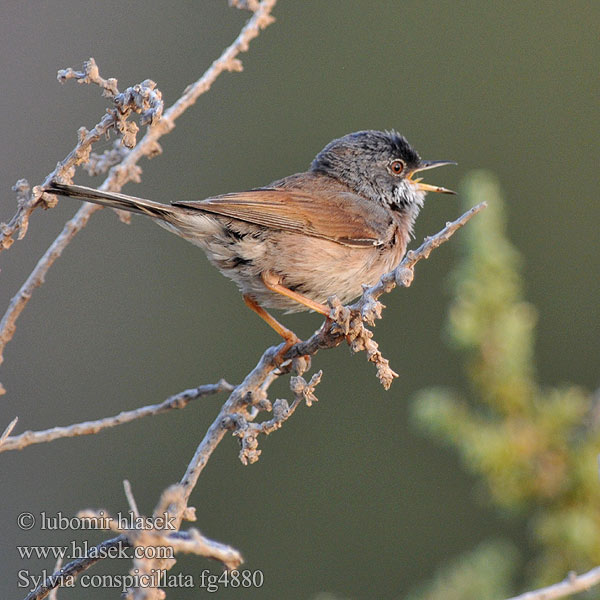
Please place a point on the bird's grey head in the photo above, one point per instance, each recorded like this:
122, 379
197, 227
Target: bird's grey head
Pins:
378, 165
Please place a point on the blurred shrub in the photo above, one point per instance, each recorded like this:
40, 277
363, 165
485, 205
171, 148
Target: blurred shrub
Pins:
534, 449
484, 574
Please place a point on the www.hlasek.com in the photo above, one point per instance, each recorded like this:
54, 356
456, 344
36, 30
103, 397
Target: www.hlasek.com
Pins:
76, 550
156, 578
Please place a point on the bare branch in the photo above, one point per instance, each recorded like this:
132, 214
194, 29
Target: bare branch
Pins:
245, 4
126, 170
36, 277
53, 595
248, 432
8, 429
90, 74
164, 536
572, 584
403, 274
143, 99
193, 542
181, 400
250, 392
67, 574
130, 498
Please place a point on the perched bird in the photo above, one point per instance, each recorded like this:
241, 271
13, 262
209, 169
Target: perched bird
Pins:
292, 244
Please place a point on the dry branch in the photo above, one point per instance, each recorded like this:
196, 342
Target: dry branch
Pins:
572, 584
180, 400
119, 175
143, 99
67, 573
122, 166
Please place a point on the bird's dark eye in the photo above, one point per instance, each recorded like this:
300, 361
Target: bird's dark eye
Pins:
396, 167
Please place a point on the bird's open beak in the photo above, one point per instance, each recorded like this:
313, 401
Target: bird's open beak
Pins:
430, 164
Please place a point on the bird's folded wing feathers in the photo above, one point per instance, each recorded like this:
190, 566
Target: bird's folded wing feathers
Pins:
345, 218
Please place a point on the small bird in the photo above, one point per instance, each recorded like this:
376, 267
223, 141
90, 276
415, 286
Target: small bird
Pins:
294, 243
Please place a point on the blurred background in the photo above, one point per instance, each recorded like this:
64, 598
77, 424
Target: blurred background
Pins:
351, 497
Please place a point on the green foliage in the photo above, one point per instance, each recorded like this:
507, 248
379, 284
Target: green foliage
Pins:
534, 449
481, 575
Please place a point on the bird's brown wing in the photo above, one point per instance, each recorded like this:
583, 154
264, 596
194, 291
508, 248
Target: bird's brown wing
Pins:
342, 217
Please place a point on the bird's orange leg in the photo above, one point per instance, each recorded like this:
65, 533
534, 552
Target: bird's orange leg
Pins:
271, 282
287, 334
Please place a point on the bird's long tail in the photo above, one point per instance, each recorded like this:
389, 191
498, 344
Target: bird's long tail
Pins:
132, 204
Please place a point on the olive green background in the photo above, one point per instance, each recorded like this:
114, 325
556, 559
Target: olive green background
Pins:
348, 497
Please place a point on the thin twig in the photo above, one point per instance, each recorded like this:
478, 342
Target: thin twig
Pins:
36, 277
248, 432
53, 595
164, 535
119, 174
130, 498
127, 169
8, 429
181, 400
66, 575
143, 99
572, 584
193, 542
248, 393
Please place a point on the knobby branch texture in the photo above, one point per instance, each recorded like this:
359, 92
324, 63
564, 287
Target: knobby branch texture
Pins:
122, 161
